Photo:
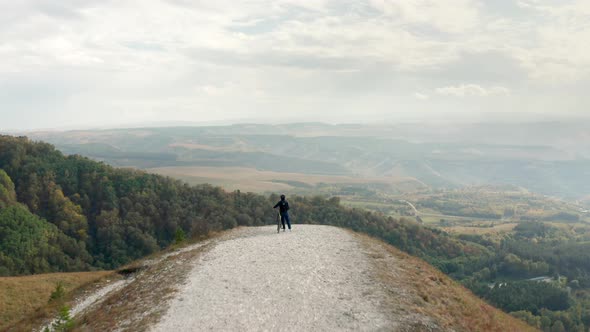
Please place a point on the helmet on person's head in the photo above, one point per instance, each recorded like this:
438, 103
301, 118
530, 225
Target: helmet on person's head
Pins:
282, 196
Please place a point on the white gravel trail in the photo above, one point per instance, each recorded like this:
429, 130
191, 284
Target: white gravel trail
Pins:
313, 278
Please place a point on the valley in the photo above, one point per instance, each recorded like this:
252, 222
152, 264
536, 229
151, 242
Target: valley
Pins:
428, 156
475, 229
486, 183
432, 159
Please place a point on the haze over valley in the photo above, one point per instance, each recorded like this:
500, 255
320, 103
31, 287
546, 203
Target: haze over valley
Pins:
435, 156
549, 158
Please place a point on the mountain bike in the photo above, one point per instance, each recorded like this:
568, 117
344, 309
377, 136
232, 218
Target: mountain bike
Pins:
278, 222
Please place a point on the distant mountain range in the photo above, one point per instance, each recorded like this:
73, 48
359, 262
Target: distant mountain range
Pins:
552, 158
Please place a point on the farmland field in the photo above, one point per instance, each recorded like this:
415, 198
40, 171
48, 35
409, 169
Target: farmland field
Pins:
250, 179
487, 229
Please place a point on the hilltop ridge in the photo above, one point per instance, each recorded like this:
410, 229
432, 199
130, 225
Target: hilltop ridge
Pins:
316, 277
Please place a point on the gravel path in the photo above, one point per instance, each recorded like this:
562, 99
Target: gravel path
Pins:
313, 278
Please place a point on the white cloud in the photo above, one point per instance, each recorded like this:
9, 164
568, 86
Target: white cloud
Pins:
163, 55
468, 90
451, 16
421, 96
558, 52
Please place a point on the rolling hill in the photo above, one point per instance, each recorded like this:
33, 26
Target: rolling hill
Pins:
75, 214
549, 158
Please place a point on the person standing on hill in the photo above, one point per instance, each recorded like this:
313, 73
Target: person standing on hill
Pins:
283, 206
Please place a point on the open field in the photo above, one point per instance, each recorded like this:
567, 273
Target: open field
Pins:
365, 204
479, 210
250, 179
436, 218
496, 229
21, 296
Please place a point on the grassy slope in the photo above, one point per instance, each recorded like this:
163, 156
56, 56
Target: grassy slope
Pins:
434, 294
20, 297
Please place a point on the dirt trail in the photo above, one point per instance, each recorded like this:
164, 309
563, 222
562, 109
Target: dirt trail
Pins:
317, 278
314, 278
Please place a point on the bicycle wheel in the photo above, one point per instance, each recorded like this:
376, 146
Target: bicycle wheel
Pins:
278, 222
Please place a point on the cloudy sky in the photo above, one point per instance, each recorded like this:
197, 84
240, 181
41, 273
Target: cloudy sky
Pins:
79, 63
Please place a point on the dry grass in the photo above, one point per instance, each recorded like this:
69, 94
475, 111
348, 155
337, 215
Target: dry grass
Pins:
142, 302
153, 278
28, 296
231, 148
427, 292
250, 179
497, 229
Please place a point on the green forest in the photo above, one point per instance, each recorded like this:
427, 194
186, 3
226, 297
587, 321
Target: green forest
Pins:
69, 213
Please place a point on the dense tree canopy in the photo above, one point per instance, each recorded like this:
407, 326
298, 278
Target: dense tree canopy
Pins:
118, 215
69, 213
29, 244
529, 296
7, 193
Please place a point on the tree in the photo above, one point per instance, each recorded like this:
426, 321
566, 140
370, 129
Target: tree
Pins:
528, 317
29, 244
180, 236
67, 216
529, 296
7, 193
558, 327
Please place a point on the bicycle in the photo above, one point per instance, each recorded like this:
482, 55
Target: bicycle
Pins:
278, 222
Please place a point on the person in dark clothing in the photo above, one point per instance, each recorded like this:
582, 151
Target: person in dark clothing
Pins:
283, 206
